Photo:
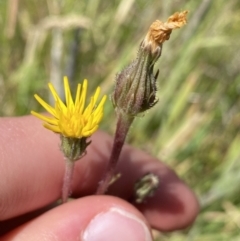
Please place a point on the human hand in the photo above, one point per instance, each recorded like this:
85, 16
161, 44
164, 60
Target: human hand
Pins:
32, 169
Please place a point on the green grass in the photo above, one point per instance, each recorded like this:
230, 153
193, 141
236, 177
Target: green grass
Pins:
195, 126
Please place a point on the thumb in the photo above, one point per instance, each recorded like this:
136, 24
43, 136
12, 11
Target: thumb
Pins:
92, 218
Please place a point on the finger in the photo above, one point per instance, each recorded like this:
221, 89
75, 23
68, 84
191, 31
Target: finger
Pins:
12, 223
31, 166
93, 218
34, 173
173, 206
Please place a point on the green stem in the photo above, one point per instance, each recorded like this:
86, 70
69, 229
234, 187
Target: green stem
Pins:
123, 124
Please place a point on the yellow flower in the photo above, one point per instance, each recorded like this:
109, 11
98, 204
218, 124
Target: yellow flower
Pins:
72, 119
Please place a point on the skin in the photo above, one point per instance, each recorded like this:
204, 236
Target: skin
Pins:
32, 169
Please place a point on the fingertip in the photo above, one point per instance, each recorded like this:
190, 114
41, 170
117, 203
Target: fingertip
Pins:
90, 218
173, 206
171, 209
118, 224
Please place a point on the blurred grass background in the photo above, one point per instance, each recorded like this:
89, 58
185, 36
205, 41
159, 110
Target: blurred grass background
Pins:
195, 126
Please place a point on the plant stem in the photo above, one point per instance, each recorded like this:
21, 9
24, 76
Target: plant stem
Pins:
123, 123
66, 190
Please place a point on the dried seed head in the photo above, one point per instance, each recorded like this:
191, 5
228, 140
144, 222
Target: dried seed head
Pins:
146, 187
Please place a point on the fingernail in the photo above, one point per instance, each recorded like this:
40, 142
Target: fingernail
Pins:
118, 225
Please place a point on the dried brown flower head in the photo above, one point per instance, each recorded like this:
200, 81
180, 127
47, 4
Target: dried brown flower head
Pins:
135, 89
160, 31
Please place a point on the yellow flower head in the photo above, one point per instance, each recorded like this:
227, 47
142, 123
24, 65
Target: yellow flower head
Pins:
72, 119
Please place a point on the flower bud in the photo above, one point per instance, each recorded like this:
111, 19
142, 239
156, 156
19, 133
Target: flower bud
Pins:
136, 85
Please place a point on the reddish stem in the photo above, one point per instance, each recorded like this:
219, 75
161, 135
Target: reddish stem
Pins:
67, 180
123, 124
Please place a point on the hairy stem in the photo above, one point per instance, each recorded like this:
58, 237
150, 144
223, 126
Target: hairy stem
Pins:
66, 190
123, 124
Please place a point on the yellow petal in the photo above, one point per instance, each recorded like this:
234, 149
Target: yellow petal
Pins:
49, 120
68, 95
83, 95
47, 107
55, 95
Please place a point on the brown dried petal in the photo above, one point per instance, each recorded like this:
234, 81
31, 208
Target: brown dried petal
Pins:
159, 31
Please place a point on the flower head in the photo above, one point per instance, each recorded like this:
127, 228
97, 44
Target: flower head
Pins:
72, 119
135, 88
160, 31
